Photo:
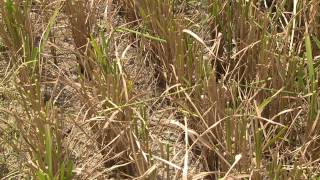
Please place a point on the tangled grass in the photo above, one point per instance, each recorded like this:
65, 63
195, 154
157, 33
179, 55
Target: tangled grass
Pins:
162, 89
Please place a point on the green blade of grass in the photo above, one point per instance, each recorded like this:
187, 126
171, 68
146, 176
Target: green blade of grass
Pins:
312, 80
48, 153
148, 36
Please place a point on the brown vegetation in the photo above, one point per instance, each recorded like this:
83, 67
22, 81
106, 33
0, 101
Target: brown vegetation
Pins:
161, 89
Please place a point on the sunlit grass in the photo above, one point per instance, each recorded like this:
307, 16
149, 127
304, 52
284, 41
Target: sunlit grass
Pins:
233, 92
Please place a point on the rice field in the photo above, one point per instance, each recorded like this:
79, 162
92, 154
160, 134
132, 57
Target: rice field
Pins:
159, 89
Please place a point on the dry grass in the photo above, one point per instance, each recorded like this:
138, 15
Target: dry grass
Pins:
163, 89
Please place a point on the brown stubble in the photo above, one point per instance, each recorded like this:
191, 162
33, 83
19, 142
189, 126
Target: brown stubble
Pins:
81, 19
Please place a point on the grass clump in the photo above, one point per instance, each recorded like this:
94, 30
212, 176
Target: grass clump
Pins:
37, 129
